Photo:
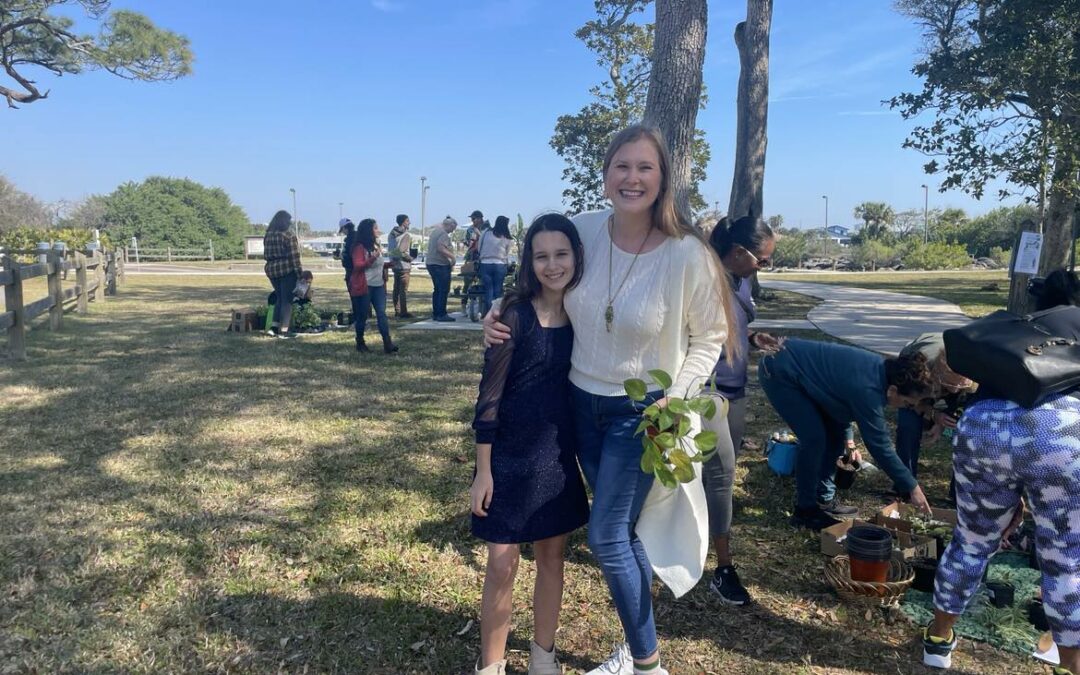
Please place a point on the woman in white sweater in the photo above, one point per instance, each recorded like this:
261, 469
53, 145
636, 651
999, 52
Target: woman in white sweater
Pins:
651, 296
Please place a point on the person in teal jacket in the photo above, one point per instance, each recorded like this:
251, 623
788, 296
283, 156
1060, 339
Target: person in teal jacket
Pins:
819, 388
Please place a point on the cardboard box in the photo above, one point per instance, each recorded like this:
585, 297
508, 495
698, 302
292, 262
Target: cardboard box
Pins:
898, 516
910, 545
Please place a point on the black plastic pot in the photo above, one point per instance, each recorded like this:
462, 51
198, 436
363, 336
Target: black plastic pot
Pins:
1037, 615
1002, 593
925, 571
845, 478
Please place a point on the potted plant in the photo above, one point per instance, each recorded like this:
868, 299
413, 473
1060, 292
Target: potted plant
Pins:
668, 450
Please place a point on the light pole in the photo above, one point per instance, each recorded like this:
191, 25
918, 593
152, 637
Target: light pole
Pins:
925, 219
340, 210
826, 198
423, 208
296, 223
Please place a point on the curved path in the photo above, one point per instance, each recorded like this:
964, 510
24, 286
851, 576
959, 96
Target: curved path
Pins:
881, 321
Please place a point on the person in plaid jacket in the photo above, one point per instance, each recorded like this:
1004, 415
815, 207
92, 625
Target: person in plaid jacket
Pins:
281, 251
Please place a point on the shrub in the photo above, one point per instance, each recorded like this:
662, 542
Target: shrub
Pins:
934, 256
1001, 255
27, 238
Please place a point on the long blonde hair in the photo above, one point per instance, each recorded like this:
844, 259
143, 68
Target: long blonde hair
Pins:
666, 218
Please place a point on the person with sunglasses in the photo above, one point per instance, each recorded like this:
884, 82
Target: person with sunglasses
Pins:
744, 245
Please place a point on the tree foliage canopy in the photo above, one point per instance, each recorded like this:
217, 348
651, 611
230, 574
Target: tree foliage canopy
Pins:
128, 45
175, 212
1002, 80
19, 209
623, 48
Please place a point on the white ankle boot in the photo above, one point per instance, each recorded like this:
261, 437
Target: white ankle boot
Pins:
497, 668
542, 662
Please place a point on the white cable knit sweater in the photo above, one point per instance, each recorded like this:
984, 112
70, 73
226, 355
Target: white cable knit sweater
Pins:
667, 316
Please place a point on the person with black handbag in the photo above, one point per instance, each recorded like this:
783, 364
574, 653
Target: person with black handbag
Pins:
1014, 442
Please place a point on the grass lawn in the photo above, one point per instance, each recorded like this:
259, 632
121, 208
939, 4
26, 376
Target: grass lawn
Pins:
962, 288
176, 498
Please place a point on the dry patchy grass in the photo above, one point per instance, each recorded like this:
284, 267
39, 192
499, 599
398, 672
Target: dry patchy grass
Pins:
179, 499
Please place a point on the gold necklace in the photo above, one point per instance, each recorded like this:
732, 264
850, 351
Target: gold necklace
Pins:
609, 311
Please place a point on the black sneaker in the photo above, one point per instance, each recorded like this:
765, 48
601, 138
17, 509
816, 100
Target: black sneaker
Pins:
725, 583
812, 518
937, 652
837, 510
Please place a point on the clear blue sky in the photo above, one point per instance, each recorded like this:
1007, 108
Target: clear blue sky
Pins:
352, 101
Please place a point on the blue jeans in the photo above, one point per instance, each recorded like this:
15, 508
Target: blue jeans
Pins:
492, 276
909, 429
821, 438
283, 287
440, 279
610, 457
376, 297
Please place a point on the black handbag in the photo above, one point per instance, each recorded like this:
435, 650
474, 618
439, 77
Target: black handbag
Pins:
1020, 358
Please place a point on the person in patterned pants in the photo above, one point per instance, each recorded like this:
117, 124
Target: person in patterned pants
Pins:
1003, 451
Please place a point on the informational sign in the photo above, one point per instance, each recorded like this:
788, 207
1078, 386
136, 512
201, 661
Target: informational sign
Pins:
1028, 253
253, 246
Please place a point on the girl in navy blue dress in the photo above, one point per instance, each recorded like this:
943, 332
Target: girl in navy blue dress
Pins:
527, 486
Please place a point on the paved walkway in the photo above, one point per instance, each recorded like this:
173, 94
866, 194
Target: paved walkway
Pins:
878, 320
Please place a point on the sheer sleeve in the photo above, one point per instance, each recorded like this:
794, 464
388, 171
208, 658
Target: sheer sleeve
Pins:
497, 361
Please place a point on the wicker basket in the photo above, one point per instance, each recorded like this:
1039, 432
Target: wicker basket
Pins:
868, 593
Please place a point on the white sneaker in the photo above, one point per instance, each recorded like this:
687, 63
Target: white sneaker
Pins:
543, 662
497, 668
622, 663
619, 663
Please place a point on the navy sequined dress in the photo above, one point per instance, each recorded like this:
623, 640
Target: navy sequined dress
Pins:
524, 411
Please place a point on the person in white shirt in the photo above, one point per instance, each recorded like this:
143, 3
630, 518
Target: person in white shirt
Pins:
652, 297
495, 246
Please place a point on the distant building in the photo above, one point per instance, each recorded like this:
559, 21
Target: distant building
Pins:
839, 234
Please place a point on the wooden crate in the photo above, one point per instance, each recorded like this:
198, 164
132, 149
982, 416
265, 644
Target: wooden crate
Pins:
243, 321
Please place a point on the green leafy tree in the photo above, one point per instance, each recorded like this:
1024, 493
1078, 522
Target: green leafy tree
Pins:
623, 48
792, 247
877, 218
129, 45
948, 225
176, 212
1000, 78
19, 209
997, 228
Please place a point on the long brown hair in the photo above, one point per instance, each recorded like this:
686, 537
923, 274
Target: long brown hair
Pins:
528, 285
666, 218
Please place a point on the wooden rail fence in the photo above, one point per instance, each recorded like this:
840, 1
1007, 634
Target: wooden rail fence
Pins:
97, 274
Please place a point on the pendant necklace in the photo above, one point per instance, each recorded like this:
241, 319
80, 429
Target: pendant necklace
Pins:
609, 311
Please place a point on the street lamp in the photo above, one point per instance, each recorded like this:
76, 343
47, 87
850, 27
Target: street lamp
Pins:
925, 219
296, 223
423, 207
340, 210
826, 198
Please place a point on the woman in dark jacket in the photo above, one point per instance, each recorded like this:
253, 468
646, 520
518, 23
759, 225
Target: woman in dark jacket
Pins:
1003, 451
819, 388
281, 251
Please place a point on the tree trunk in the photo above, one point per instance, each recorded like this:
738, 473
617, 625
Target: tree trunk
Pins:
752, 39
675, 85
1058, 240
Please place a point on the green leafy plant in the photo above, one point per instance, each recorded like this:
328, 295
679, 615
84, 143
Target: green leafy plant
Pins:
305, 318
668, 450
